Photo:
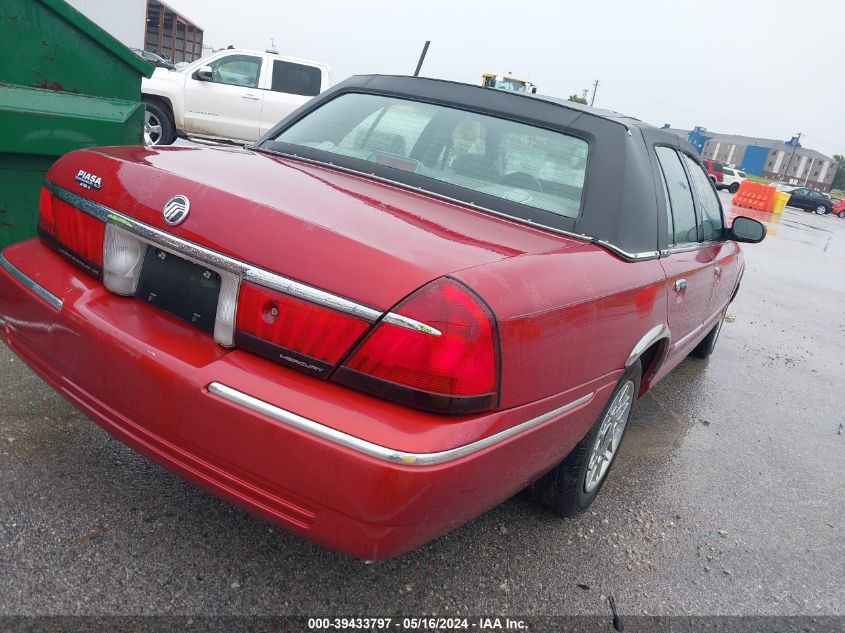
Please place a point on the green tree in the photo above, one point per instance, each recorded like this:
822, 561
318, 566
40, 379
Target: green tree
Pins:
577, 99
839, 178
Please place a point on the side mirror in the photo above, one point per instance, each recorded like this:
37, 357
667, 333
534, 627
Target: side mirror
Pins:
204, 73
747, 230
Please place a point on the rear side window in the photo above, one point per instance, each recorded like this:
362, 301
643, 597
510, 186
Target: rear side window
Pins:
670, 223
708, 203
680, 196
516, 162
295, 79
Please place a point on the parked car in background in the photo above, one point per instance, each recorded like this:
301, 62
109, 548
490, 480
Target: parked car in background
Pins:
732, 179
233, 94
156, 60
810, 200
358, 328
715, 170
838, 207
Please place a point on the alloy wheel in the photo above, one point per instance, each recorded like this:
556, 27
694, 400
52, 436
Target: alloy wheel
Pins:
821, 210
609, 436
152, 129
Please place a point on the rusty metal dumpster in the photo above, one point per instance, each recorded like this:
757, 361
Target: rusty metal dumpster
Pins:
65, 84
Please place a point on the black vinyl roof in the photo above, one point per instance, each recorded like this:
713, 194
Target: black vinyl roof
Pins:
623, 205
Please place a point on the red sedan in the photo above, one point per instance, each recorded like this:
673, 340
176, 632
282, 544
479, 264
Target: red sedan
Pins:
838, 207
409, 301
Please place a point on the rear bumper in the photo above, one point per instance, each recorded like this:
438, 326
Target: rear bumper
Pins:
355, 474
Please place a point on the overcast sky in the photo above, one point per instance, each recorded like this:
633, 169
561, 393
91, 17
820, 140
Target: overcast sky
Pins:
760, 68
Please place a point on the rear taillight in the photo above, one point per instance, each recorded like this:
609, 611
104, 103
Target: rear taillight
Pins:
292, 331
445, 359
73, 233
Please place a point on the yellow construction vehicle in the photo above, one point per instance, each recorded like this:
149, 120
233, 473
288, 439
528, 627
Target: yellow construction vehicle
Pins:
507, 82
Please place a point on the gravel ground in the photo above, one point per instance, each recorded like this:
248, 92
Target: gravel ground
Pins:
727, 497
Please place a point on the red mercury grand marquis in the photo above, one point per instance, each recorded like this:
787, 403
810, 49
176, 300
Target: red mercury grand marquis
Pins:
407, 302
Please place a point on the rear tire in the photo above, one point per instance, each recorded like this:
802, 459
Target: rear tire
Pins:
821, 209
734, 187
842, 214
705, 348
159, 128
571, 486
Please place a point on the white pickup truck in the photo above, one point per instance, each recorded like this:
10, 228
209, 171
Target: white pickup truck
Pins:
232, 94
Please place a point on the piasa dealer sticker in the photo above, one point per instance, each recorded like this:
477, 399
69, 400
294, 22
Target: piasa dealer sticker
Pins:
89, 180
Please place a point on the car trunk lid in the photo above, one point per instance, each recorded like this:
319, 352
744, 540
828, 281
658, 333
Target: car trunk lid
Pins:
346, 234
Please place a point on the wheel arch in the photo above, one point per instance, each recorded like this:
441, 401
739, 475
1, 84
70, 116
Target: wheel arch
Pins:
164, 102
651, 350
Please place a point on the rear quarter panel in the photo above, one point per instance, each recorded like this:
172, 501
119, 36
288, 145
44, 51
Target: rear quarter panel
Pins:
568, 317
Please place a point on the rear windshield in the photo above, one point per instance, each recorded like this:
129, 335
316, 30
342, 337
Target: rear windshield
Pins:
513, 161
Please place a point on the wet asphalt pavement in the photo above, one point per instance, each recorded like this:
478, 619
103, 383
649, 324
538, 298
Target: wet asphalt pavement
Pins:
728, 496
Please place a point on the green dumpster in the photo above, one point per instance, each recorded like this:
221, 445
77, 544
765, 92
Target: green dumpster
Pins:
64, 84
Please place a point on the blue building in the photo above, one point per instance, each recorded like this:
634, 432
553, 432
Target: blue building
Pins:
788, 161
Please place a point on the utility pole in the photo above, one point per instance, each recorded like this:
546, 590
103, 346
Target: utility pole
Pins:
422, 58
789, 162
595, 87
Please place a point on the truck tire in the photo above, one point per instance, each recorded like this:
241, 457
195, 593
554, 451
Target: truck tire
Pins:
571, 486
159, 128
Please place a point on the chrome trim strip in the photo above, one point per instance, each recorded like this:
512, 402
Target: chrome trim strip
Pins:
649, 338
411, 324
213, 258
377, 451
686, 248
623, 253
42, 292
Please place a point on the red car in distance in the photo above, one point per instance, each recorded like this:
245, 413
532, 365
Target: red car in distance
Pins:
409, 301
838, 207
715, 170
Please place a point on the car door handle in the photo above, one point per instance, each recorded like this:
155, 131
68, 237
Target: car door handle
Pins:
680, 285
717, 270
250, 97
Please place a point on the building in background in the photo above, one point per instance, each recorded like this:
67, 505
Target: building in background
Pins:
151, 25
788, 160
124, 20
171, 34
